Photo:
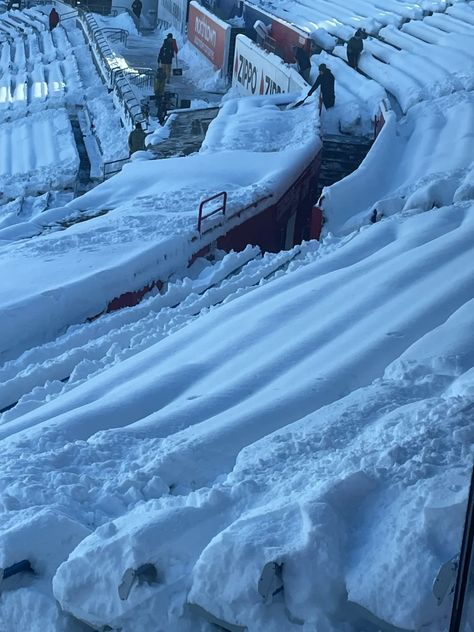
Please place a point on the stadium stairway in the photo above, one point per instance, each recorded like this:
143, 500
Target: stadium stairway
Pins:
341, 156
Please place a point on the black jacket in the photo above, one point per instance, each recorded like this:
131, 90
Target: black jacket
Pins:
302, 59
136, 140
326, 81
355, 45
137, 7
166, 52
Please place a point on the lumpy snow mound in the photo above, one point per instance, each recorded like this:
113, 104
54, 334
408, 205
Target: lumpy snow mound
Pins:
41, 74
145, 224
277, 443
295, 457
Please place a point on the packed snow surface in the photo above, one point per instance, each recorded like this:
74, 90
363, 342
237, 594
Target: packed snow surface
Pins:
276, 442
254, 150
319, 420
47, 79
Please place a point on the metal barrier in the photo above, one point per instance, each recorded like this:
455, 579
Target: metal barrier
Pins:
141, 77
116, 35
380, 117
163, 25
68, 15
222, 208
113, 74
108, 170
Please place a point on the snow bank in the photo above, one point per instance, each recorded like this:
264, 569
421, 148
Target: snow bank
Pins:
411, 166
41, 146
154, 208
204, 75
121, 21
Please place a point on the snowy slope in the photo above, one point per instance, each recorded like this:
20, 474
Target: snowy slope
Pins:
279, 443
423, 162
152, 207
184, 423
304, 423
41, 74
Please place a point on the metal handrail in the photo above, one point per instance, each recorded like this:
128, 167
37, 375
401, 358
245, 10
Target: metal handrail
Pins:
114, 75
68, 15
116, 34
141, 77
106, 173
222, 208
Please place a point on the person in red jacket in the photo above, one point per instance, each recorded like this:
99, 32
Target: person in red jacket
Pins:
53, 19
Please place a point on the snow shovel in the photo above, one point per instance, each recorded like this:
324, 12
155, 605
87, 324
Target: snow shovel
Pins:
292, 106
177, 72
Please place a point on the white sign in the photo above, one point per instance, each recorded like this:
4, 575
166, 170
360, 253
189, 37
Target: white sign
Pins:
256, 71
173, 12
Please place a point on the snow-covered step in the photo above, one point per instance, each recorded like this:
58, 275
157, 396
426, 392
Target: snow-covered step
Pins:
60, 366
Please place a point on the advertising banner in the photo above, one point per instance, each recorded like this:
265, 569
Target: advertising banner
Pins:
283, 34
210, 35
224, 9
174, 13
255, 71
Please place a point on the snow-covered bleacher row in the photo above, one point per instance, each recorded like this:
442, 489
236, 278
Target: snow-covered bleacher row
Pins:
432, 57
42, 88
34, 62
38, 76
329, 20
415, 50
36, 145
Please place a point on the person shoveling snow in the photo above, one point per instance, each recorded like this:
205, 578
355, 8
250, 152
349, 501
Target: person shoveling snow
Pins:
325, 81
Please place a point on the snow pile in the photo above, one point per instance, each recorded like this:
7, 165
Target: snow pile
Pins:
411, 168
151, 206
204, 75
122, 21
318, 468
259, 125
42, 146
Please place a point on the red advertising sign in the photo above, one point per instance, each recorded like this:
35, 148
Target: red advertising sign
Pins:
287, 36
282, 36
209, 34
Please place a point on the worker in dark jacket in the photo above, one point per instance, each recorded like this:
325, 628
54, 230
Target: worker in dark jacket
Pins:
354, 49
326, 81
166, 54
136, 139
159, 83
53, 19
137, 8
303, 61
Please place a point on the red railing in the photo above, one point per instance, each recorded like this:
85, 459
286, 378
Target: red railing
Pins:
222, 208
380, 117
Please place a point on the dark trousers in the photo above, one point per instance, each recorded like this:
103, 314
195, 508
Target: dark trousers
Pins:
329, 100
353, 59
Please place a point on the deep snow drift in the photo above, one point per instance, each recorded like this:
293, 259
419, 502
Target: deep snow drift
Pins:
47, 80
321, 422
278, 442
151, 206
